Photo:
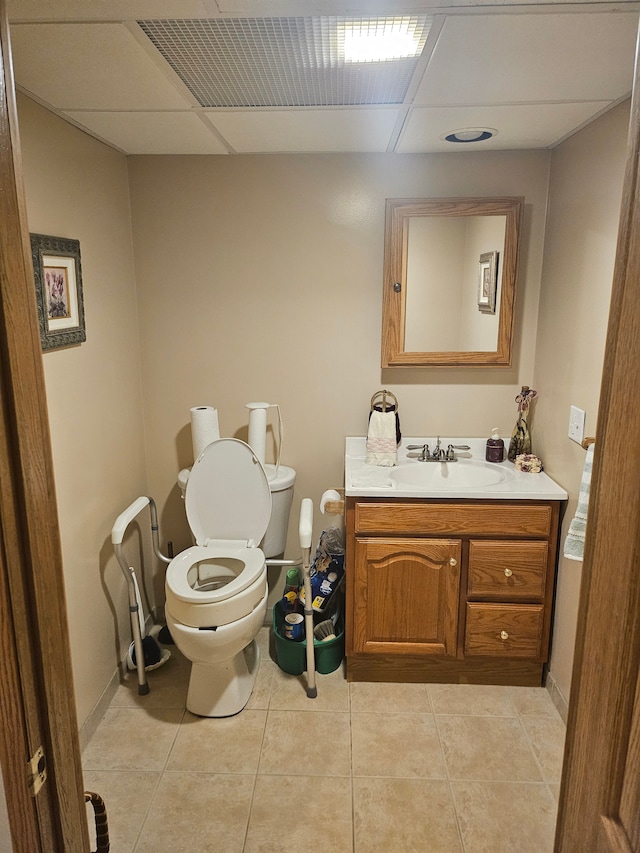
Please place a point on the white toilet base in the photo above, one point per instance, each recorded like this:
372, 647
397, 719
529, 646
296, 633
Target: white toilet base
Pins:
223, 689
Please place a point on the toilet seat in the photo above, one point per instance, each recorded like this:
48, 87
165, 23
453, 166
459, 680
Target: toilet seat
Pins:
227, 495
228, 503
178, 571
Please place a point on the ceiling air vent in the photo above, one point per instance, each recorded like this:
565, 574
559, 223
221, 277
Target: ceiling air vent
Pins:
292, 62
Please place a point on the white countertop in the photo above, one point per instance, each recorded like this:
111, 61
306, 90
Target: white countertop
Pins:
362, 480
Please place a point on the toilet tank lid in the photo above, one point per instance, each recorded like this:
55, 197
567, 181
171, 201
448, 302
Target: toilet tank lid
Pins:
227, 494
284, 479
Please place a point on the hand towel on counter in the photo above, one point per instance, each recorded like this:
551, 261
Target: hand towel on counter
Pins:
381, 439
574, 543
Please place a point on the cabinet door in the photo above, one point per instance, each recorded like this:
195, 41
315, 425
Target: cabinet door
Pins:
406, 596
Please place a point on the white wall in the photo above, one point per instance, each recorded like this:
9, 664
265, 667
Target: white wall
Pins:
78, 188
585, 193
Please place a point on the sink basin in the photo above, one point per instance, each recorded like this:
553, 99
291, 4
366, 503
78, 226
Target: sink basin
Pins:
442, 476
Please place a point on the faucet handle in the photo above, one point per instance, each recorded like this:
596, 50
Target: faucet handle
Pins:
423, 448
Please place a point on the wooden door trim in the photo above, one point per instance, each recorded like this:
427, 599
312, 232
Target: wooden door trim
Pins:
605, 670
31, 565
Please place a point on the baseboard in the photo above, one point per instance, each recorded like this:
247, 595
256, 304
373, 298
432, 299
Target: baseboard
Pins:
556, 696
88, 728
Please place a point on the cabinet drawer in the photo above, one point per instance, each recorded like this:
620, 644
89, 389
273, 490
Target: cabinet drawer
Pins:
504, 630
453, 519
509, 571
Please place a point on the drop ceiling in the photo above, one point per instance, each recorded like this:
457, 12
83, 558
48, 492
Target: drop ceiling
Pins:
246, 76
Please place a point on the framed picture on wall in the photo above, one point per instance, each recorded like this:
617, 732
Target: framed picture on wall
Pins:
487, 282
58, 277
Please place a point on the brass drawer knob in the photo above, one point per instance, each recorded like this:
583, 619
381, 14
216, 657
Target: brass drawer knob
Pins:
504, 635
507, 573
453, 561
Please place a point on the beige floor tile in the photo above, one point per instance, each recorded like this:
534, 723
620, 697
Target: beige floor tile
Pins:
389, 698
505, 816
555, 790
222, 745
261, 693
127, 797
132, 739
533, 702
272, 830
197, 811
316, 743
5, 837
473, 699
167, 687
289, 692
396, 745
263, 639
408, 815
495, 748
547, 735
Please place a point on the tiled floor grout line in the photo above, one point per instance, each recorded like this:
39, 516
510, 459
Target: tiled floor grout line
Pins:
147, 810
446, 770
159, 780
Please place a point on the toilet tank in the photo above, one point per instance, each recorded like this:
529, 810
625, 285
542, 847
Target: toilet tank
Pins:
281, 487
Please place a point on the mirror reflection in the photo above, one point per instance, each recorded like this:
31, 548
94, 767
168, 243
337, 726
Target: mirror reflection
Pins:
450, 270
446, 283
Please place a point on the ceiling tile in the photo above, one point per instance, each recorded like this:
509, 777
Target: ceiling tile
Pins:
103, 10
151, 133
89, 66
521, 126
306, 130
507, 58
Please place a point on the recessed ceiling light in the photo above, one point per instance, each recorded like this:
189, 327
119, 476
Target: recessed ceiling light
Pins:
381, 40
469, 134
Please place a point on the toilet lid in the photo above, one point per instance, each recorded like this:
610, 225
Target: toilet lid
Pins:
227, 494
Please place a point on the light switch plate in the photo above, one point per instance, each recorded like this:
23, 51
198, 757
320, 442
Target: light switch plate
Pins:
576, 424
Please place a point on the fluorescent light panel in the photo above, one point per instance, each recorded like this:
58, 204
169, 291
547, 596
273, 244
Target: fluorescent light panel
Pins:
382, 40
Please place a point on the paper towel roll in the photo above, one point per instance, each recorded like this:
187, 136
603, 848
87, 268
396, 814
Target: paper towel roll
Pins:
204, 428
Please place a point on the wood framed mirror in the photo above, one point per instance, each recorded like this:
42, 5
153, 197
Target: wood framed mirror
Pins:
450, 267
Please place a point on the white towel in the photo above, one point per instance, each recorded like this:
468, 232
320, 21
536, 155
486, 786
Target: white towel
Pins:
381, 439
574, 543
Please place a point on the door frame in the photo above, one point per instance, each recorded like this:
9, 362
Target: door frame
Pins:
37, 707
600, 733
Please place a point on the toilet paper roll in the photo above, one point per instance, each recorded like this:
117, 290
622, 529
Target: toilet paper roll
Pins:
330, 495
204, 428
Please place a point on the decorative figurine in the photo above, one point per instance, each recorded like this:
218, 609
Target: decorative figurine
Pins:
520, 438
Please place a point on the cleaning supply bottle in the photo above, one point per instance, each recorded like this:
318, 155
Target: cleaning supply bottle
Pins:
290, 599
495, 447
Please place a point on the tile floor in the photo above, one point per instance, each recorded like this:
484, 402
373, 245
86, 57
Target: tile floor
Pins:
362, 768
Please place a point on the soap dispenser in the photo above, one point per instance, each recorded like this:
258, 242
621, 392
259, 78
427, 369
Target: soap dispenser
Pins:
495, 447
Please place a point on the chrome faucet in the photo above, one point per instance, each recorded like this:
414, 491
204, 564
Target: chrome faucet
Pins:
438, 454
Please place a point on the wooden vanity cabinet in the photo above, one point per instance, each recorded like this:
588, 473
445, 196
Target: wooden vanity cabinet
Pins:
450, 591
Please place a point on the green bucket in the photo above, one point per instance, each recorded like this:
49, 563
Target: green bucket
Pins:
292, 655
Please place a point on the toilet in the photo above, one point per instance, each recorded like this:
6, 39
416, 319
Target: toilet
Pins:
216, 591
